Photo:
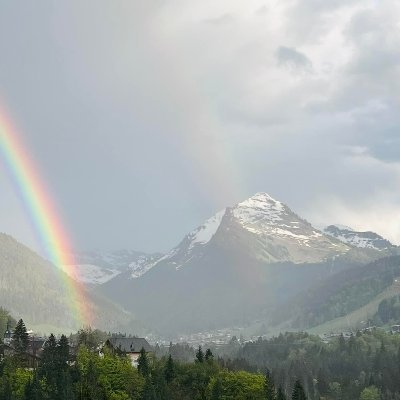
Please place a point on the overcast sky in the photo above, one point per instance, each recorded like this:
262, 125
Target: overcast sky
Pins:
146, 117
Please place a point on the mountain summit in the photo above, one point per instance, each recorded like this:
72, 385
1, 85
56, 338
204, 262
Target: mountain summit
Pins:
238, 262
281, 234
263, 228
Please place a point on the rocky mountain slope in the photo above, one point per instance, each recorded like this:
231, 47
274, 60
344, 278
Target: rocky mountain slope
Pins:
265, 228
237, 266
365, 240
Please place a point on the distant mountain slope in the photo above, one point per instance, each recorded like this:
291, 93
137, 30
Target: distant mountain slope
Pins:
31, 288
360, 317
96, 268
340, 295
235, 267
370, 240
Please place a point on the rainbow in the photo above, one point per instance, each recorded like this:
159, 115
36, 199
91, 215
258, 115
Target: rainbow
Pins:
44, 217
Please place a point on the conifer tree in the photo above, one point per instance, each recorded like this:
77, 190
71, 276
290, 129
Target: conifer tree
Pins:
298, 392
199, 355
143, 363
269, 387
169, 371
49, 353
149, 392
63, 351
209, 355
280, 394
20, 339
49, 365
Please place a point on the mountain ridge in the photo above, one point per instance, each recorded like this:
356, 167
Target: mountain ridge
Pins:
361, 239
235, 267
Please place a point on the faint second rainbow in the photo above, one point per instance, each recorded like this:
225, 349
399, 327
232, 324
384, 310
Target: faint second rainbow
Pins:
44, 217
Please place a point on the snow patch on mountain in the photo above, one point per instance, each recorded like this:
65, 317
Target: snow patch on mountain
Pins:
205, 232
98, 267
191, 246
259, 207
143, 264
263, 215
364, 240
90, 274
343, 227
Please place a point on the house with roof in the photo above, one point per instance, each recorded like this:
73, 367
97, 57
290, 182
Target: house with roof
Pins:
131, 346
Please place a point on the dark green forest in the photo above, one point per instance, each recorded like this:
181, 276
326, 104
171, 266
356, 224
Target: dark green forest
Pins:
340, 294
363, 366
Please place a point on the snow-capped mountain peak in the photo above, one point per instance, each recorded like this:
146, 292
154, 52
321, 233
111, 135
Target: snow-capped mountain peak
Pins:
259, 206
262, 214
266, 227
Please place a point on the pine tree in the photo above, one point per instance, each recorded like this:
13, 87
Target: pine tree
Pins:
49, 355
149, 392
20, 339
209, 355
280, 395
298, 392
269, 387
63, 351
169, 371
49, 365
199, 355
65, 386
143, 363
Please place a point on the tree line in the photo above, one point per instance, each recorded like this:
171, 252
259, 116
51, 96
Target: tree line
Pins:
98, 373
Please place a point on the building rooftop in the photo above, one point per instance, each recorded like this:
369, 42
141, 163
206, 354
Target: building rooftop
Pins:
130, 345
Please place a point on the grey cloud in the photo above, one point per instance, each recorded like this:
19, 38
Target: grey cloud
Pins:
292, 58
220, 20
376, 40
138, 116
261, 10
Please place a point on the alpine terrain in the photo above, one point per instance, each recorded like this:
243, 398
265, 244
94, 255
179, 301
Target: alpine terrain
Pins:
235, 268
96, 268
370, 240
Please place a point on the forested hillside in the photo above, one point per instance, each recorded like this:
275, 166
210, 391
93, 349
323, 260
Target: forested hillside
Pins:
340, 294
336, 368
31, 287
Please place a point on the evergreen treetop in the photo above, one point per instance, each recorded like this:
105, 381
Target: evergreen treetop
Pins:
20, 338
